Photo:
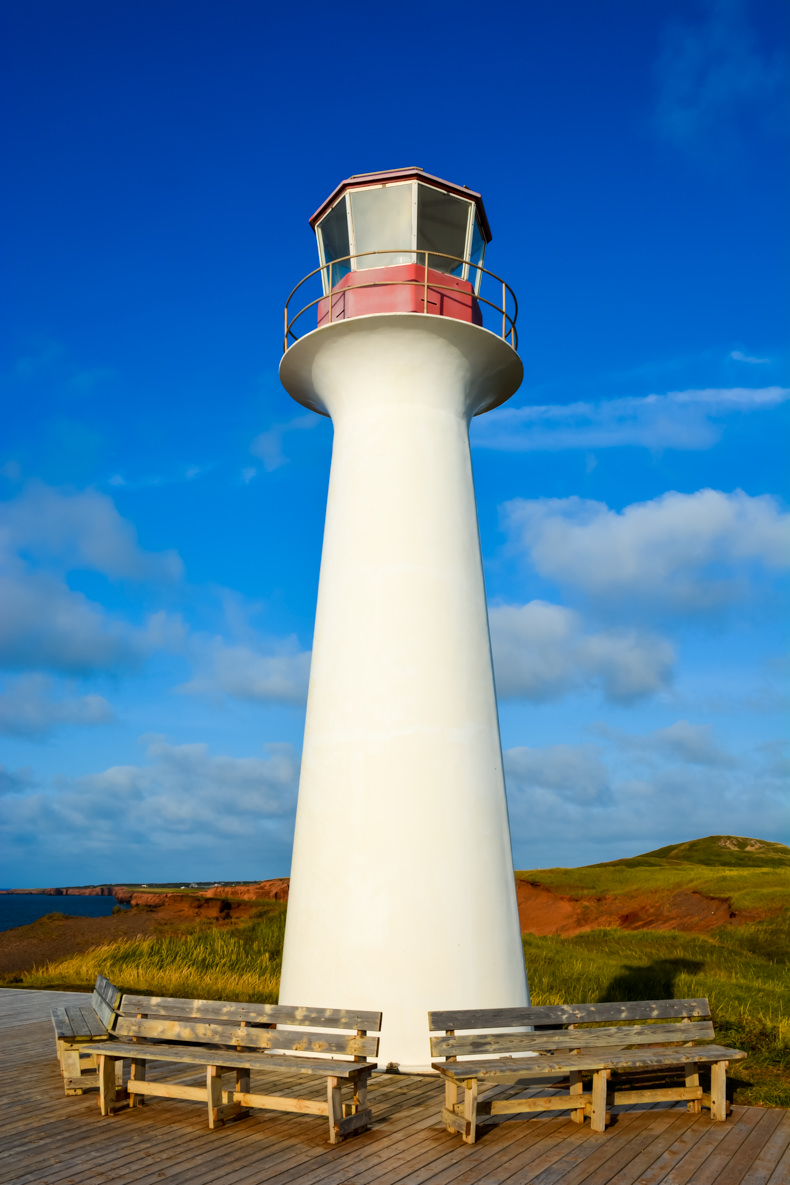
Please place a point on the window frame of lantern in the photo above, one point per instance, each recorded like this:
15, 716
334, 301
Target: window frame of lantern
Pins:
484, 244
319, 234
352, 238
467, 268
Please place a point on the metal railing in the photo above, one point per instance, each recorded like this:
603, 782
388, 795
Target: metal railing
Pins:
326, 269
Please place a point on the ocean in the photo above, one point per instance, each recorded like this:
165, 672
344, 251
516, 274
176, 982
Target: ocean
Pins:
19, 909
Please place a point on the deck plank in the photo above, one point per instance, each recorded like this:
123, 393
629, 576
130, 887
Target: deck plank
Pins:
717, 1143
50, 1139
771, 1153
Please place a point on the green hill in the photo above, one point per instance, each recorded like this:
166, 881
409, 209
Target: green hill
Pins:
718, 851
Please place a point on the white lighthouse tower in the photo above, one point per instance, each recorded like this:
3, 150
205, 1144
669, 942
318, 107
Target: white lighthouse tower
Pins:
402, 894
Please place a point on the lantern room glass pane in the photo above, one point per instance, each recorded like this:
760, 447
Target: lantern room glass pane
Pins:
382, 219
476, 255
441, 226
333, 232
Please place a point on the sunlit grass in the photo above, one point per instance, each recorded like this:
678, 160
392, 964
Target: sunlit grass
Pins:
741, 970
204, 962
745, 888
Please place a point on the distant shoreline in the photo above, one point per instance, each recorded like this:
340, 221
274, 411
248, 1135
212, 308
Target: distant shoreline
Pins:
69, 891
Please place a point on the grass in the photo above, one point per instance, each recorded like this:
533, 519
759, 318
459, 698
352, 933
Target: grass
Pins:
730, 851
741, 970
745, 888
201, 961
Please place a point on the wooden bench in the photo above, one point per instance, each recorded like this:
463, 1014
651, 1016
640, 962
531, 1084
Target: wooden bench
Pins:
75, 1026
230, 1038
602, 1053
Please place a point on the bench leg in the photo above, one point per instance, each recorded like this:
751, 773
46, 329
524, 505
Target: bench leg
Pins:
692, 1079
470, 1111
214, 1096
71, 1070
334, 1102
450, 1100
718, 1091
79, 1069
242, 1087
577, 1087
107, 1089
137, 1074
599, 1088
360, 1099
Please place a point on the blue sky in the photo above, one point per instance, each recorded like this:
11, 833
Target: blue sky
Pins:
163, 499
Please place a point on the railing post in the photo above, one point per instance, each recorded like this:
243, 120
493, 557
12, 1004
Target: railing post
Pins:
425, 302
504, 306
330, 294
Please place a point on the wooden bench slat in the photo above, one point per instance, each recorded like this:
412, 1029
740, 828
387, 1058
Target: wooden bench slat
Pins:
81, 1029
93, 1024
104, 1012
299, 1041
514, 1069
621, 1035
63, 1026
205, 1056
281, 1014
107, 991
273, 1102
554, 1014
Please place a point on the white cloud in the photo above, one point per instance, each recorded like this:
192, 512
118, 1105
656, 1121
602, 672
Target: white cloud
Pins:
220, 815
739, 356
710, 71
681, 551
541, 653
28, 708
574, 773
80, 530
269, 445
45, 624
678, 420
567, 808
16, 781
48, 626
249, 672
693, 744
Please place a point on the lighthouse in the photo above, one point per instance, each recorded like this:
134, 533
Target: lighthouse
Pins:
402, 894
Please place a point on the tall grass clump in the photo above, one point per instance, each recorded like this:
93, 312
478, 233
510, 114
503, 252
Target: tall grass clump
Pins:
207, 963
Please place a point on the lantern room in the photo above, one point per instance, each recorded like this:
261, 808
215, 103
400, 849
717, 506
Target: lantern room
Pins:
401, 241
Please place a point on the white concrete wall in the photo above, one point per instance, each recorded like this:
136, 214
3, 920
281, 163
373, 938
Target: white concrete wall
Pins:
402, 894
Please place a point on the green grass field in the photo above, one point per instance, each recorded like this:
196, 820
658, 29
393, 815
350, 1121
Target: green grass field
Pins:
744, 888
199, 961
742, 970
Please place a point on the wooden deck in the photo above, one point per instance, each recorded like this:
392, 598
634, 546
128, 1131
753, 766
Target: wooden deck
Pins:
48, 1139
